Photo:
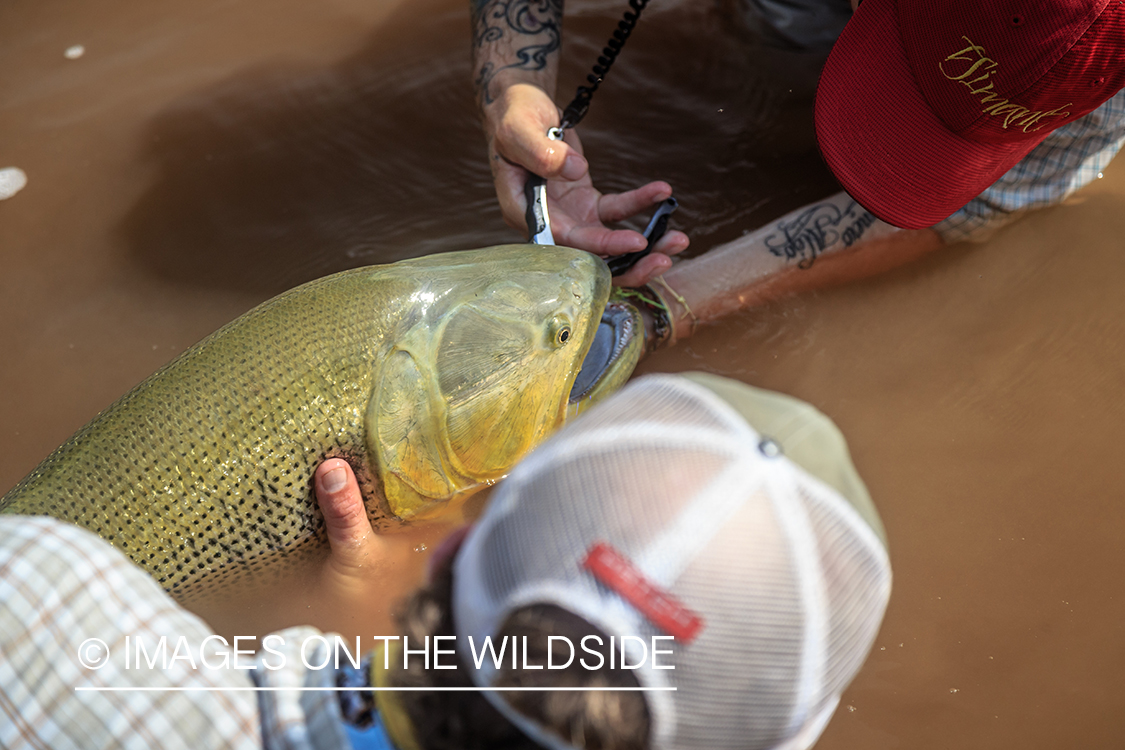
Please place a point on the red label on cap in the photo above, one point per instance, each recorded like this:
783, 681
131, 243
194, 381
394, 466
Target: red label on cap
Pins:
664, 611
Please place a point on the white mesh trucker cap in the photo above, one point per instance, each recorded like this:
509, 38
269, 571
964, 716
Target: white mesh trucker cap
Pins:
743, 515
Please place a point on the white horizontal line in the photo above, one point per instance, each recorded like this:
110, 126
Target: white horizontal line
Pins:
386, 689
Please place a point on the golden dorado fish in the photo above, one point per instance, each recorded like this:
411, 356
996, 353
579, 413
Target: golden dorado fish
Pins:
431, 376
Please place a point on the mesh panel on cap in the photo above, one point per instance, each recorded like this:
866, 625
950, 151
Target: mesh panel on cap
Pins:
790, 582
650, 490
856, 579
736, 686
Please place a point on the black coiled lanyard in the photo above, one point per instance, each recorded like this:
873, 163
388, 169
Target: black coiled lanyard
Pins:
535, 190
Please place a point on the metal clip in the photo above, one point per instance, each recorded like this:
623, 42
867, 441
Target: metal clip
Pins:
535, 192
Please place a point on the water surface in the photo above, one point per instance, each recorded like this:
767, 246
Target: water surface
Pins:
202, 156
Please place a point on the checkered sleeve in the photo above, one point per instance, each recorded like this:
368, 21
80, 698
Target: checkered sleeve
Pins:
74, 613
1068, 159
299, 710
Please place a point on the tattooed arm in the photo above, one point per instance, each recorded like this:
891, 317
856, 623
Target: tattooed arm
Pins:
515, 63
515, 42
824, 244
516, 47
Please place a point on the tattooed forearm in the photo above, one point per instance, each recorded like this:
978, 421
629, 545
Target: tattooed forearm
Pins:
513, 35
804, 237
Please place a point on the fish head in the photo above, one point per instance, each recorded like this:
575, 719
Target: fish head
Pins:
490, 365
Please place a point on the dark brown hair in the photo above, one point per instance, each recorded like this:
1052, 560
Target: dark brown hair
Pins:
466, 721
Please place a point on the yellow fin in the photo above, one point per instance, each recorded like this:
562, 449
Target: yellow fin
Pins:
405, 438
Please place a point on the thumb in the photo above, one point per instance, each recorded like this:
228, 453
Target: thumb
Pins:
350, 535
526, 145
519, 135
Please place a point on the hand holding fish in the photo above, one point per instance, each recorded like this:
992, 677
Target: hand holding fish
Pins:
354, 544
516, 125
359, 568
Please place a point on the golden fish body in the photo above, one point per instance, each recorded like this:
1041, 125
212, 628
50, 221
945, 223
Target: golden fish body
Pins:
431, 376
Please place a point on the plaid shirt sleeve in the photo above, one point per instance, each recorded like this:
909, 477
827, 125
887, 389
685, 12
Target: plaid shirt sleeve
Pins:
67, 603
1068, 159
72, 611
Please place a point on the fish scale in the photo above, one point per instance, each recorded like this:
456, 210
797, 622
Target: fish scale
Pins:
193, 468
204, 470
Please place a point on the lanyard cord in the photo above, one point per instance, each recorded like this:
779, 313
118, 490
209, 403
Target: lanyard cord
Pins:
535, 190
577, 108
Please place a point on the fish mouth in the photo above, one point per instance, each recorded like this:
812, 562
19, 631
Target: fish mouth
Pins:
613, 354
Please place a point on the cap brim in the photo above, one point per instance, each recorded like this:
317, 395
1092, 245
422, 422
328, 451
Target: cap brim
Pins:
880, 137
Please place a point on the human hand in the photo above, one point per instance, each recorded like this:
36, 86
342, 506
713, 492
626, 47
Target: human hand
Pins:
516, 125
365, 573
355, 547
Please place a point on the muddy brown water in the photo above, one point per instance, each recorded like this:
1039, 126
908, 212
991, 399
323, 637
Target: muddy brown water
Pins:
202, 156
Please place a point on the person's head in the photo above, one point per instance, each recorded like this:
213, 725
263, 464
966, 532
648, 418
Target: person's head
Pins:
716, 535
923, 105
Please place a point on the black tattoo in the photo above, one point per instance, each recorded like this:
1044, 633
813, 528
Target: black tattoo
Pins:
495, 19
811, 232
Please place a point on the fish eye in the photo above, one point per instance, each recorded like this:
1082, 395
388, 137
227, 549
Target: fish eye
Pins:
559, 331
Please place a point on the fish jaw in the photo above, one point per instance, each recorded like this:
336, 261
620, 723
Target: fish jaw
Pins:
612, 357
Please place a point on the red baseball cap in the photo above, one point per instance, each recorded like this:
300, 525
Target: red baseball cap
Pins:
923, 104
